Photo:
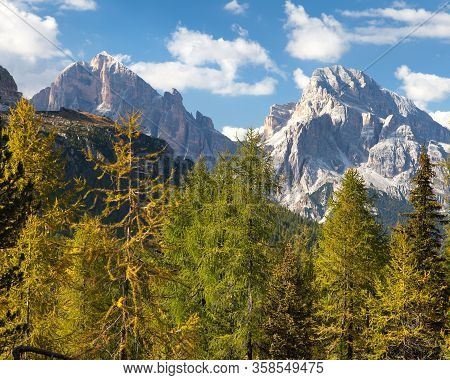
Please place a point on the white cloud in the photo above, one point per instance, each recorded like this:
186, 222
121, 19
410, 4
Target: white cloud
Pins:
31, 60
301, 80
239, 30
123, 58
321, 39
326, 39
74, 5
79, 5
405, 19
442, 117
234, 133
19, 39
423, 88
236, 8
205, 63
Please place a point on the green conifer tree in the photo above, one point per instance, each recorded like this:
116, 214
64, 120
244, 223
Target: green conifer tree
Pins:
425, 229
288, 307
351, 254
398, 325
14, 208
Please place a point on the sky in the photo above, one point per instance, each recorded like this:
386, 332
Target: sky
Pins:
232, 60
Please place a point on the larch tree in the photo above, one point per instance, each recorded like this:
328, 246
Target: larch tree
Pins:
15, 200
398, 326
221, 243
134, 211
42, 239
352, 252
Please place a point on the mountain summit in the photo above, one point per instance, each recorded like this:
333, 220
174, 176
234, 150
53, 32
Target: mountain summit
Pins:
345, 119
106, 87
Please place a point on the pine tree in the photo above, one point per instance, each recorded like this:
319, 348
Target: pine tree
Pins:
14, 207
398, 326
425, 229
351, 255
289, 303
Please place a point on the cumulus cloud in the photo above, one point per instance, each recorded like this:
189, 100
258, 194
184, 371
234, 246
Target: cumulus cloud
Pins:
236, 8
234, 133
301, 80
402, 20
33, 61
326, 39
442, 117
313, 38
423, 88
203, 62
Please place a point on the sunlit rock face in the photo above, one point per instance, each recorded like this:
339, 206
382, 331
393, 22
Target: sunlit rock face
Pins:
106, 87
345, 119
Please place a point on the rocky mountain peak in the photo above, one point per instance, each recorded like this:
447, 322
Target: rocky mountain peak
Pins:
8, 89
106, 87
345, 119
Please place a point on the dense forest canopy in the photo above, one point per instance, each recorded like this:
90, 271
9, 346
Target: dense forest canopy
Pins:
210, 267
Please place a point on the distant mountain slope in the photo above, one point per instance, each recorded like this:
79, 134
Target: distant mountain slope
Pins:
8, 90
106, 87
344, 119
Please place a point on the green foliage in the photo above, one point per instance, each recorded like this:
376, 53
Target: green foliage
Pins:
219, 238
399, 328
288, 309
132, 325
425, 229
351, 255
14, 207
33, 148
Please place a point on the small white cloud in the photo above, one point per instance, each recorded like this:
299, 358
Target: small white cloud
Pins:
203, 62
74, 5
236, 8
239, 30
423, 88
234, 133
79, 5
123, 58
312, 38
442, 117
301, 80
399, 4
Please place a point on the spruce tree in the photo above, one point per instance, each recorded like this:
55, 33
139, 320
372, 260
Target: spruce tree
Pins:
351, 255
425, 230
288, 308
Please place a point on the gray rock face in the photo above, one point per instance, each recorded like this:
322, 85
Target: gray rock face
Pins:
8, 90
106, 87
344, 119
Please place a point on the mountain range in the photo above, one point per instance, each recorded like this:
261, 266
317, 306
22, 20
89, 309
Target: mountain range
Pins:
343, 119
104, 86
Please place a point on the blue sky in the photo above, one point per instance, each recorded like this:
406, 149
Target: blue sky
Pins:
233, 59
